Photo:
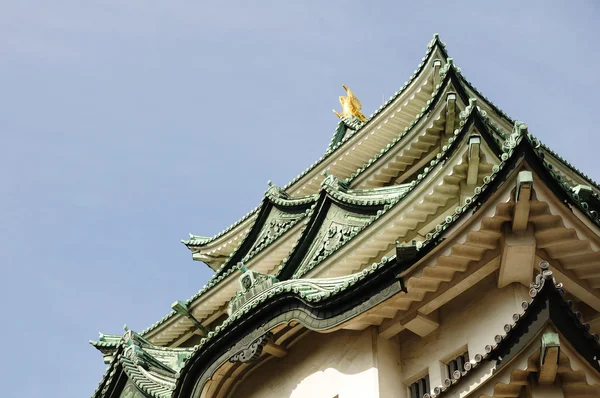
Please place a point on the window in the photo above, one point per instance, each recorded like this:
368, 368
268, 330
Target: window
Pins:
419, 387
457, 363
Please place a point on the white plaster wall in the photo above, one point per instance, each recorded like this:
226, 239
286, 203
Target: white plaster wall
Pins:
339, 364
350, 364
389, 369
472, 319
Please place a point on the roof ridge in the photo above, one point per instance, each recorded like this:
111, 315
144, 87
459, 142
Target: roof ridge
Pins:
511, 120
138, 364
569, 165
203, 240
434, 43
452, 143
198, 240
298, 287
424, 111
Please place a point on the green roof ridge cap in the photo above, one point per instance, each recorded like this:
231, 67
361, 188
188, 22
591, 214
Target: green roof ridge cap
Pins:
430, 47
452, 142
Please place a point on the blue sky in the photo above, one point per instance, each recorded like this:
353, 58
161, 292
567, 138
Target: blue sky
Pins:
126, 124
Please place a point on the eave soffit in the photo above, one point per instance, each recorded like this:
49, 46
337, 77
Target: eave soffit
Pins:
150, 369
296, 263
434, 49
508, 149
438, 226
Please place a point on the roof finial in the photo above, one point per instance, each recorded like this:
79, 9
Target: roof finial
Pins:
350, 106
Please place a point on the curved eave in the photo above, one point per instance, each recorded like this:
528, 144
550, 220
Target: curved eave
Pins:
505, 121
450, 79
210, 251
378, 277
287, 305
211, 245
564, 190
561, 188
370, 282
351, 140
135, 360
546, 306
579, 177
213, 251
290, 268
277, 198
331, 193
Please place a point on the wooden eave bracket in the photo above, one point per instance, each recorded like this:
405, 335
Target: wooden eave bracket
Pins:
523, 194
549, 354
423, 324
437, 64
473, 159
275, 350
417, 323
450, 114
518, 256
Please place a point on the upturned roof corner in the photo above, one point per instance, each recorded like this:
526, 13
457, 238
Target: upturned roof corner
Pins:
426, 162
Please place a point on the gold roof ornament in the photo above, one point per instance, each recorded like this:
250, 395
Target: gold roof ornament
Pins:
350, 106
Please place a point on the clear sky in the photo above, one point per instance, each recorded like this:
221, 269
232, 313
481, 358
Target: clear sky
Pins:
126, 124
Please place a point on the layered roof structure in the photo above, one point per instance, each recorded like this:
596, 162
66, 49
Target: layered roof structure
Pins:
437, 191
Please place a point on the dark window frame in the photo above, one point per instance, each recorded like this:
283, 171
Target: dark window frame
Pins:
420, 387
457, 363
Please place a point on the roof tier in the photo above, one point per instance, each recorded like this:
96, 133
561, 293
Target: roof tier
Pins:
409, 154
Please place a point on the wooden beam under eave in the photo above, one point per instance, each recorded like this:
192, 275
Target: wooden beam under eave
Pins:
548, 369
437, 64
473, 160
451, 290
523, 196
518, 258
450, 114
186, 337
416, 322
275, 350
577, 288
446, 293
423, 324
391, 327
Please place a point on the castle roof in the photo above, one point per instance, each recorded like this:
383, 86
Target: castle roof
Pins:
384, 191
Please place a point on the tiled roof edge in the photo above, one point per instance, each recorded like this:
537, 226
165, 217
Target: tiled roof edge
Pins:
430, 47
544, 280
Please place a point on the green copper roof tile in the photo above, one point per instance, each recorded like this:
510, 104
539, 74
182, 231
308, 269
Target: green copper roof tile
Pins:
430, 47
425, 111
516, 137
452, 143
203, 240
570, 166
152, 369
196, 240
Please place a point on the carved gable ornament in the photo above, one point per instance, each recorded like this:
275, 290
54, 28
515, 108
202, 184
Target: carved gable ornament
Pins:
251, 283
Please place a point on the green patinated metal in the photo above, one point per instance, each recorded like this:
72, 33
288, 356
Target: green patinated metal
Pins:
154, 370
151, 369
